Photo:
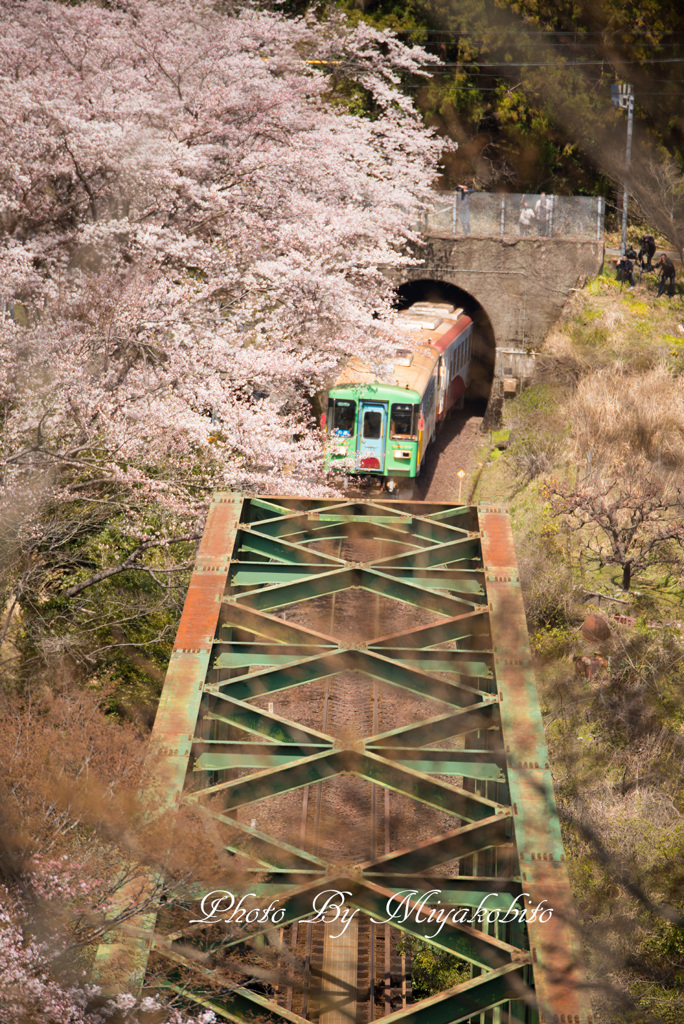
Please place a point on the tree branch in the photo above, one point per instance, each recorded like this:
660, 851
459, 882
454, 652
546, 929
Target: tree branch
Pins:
129, 563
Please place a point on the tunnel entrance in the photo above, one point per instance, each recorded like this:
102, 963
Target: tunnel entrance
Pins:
484, 348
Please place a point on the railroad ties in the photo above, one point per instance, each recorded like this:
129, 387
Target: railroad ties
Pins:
349, 728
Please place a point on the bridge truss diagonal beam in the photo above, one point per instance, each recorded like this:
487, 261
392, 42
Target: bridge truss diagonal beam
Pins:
372, 653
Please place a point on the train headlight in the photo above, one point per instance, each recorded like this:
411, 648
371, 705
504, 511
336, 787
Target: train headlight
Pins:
401, 453
339, 449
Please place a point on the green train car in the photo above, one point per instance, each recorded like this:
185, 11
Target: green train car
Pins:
379, 425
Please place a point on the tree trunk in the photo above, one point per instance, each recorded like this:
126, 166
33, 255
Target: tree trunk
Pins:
626, 575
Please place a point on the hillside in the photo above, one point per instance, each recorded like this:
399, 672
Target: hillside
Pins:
604, 420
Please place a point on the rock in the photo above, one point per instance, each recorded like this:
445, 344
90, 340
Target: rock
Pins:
595, 628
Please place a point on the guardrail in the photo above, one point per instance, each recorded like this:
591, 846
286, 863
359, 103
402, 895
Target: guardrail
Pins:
502, 213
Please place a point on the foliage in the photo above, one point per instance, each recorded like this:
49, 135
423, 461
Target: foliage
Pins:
537, 434
525, 89
432, 970
72, 840
631, 423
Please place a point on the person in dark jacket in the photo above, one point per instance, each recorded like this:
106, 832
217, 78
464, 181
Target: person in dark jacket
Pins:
667, 276
625, 270
648, 248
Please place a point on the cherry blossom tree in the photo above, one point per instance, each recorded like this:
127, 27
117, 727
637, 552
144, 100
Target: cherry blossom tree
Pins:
193, 225
195, 221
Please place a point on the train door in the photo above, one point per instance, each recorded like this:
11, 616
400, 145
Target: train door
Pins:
371, 435
443, 384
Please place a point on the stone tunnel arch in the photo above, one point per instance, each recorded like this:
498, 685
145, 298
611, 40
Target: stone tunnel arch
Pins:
484, 348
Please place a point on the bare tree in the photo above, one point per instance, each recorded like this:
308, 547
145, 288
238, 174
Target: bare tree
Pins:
636, 524
658, 187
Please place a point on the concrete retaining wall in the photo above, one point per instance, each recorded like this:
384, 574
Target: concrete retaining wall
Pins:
521, 284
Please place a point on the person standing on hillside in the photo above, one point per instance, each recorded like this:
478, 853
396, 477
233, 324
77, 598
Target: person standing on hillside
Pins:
667, 276
526, 217
648, 248
625, 270
542, 210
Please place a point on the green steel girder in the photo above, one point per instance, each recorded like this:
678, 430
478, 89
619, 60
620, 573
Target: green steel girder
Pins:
460, 1004
319, 767
239, 792
263, 723
495, 830
477, 664
297, 528
464, 549
460, 627
264, 849
441, 795
376, 666
304, 589
332, 582
423, 511
494, 893
454, 1006
413, 593
442, 727
242, 1004
252, 574
296, 673
227, 754
241, 655
253, 541
261, 757
216, 762
485, 951
453, 512
474, 946
555, 943
271, 507
270, 627
431, 532
458, 581
469, 764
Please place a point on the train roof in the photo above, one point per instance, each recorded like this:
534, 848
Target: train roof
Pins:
428, 329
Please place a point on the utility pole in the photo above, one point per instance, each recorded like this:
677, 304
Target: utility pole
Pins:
622, 95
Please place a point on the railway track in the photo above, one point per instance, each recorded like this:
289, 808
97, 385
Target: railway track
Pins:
351, 689
364, 973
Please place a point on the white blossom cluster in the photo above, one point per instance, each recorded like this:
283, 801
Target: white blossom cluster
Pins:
194, 222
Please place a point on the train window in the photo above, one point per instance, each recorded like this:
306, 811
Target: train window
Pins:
401, 420
342, 417
372, 425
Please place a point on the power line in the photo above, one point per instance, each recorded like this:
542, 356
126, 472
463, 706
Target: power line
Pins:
563, 63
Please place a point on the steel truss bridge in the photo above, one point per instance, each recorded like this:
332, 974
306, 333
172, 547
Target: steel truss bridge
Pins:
350, 708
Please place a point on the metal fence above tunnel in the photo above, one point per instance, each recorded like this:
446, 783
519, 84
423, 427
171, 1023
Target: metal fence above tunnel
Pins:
491, 213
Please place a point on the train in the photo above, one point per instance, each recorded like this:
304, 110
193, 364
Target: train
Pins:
380, 421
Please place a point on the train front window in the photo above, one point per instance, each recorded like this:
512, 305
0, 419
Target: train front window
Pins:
372, 425
401, 420
342, 417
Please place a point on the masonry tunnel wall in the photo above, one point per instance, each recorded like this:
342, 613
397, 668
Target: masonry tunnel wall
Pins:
515, 289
